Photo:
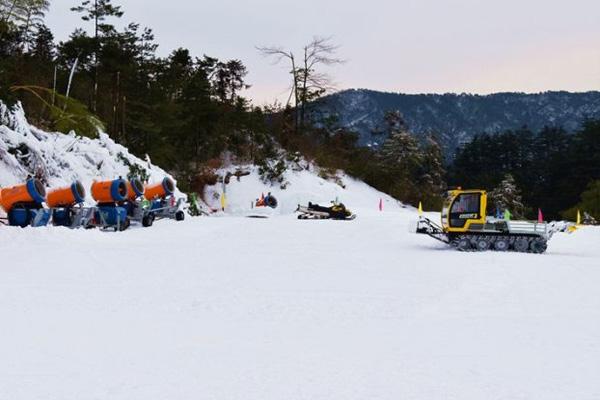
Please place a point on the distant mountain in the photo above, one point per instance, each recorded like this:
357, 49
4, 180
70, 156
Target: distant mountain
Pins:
456, 118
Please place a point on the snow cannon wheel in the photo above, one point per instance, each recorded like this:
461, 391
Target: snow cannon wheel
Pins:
463, 244
521, 245
501, 244
179, 215
148, 220
482, 244
125, 224
538, 245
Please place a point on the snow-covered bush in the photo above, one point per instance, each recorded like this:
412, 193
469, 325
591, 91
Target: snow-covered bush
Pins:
60, 158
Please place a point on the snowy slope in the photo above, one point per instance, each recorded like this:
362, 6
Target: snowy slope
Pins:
58, 159
240, 308
278, 308
300, 187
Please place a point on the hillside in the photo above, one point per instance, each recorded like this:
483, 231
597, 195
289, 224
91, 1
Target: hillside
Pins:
58, 159
301, 185
456, 118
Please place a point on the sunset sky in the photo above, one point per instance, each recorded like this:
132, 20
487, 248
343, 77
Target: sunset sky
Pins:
411, 46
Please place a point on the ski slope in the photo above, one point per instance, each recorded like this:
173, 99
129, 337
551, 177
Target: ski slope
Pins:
238, 308
301, 186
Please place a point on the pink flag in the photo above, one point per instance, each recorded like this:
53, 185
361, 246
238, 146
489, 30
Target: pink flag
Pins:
540, 216
380, 204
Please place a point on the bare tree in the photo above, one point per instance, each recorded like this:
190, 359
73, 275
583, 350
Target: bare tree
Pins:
308, 82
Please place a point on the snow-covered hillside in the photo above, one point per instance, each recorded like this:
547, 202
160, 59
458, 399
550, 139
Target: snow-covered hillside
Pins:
301, 186
58, 159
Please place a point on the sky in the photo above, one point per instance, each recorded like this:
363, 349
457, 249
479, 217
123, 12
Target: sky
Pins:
409, 46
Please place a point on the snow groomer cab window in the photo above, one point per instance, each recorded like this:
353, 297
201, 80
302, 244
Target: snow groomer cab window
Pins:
465, 206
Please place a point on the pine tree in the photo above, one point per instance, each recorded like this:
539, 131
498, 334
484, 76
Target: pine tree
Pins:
431, 179
97, 11
506, 196
589, 204
401, 160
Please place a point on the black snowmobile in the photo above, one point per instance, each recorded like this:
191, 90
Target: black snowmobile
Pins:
315, 211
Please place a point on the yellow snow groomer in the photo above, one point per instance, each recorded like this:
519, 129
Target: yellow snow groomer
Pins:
466, 226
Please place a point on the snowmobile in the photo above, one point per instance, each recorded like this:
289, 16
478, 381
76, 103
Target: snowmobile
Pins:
466, 227
315, 211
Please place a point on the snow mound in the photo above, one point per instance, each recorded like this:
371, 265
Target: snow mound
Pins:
299, 187
58, 159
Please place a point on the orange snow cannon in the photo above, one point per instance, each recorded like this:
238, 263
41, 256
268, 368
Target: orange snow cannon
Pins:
66, 196
135, 189
30, 192
160, 190
110, 191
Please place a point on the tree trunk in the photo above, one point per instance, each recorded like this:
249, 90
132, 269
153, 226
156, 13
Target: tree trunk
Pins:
95, 94
295, 90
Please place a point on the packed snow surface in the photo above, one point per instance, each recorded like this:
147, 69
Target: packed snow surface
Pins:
240, 308
229, 307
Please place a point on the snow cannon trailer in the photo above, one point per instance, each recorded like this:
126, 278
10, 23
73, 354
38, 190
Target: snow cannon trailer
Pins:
23, 204
108, 213
66, 204
135, 203
466, 227
162, 202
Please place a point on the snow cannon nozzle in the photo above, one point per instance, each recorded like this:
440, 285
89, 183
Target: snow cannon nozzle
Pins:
135, 188
110, 191
67, 196
32, 191
160, 190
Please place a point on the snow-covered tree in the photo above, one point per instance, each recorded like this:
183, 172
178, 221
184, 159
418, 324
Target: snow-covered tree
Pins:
507, 196
431, 175
400, 150
401, 160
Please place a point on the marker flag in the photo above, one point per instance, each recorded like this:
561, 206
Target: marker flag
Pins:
223, 201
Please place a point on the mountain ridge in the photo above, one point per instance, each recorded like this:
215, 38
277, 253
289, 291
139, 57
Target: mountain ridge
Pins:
455, 118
